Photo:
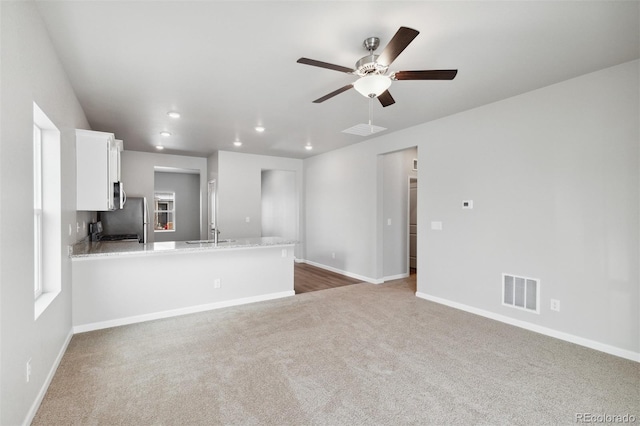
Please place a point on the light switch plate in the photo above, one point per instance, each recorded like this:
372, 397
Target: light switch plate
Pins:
436, 226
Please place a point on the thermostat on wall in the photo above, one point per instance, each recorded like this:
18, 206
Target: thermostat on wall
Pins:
467, 204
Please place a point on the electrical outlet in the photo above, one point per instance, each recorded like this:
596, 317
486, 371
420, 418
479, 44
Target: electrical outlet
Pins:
555, 305
216, 283
333, 255
28, 371
388, 222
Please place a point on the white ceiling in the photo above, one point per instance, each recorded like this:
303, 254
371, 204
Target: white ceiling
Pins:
228, 66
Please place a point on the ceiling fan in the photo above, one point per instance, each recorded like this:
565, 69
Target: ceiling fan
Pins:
373, 81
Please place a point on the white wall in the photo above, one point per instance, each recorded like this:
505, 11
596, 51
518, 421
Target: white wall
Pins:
554, 178
212, 166
279, 204
239, 192
138, 170
31, 73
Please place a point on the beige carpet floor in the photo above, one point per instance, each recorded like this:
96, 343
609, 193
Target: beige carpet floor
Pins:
356, 355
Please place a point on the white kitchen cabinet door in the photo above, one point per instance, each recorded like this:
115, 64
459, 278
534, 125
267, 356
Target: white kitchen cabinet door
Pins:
97, 169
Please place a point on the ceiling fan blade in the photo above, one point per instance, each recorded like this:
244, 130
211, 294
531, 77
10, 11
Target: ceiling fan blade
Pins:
425, 75
398, 43
334, 93
326, 65
386, 99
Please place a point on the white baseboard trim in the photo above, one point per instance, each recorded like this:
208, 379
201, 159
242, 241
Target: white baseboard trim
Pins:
181, 311
592, 344
395, 277
341, 272
31, 414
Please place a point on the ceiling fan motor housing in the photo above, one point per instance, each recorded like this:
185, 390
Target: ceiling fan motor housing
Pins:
369, 65
371, 43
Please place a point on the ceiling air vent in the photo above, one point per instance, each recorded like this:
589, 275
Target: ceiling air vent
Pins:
521, 292
364, 129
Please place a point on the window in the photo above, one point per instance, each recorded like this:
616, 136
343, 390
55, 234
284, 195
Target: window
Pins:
164, 212
47, 212
37, 210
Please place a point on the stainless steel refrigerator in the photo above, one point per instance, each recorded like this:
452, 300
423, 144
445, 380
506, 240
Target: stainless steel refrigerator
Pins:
127, 223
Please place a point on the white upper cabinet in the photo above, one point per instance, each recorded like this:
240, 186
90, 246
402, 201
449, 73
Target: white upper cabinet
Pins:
97, 170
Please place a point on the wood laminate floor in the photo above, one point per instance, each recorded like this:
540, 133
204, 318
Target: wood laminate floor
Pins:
310, 278
410, 280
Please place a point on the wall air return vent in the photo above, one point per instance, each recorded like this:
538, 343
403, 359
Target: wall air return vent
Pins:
521, 292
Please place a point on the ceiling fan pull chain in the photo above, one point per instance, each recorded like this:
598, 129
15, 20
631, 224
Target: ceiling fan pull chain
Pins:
371, 114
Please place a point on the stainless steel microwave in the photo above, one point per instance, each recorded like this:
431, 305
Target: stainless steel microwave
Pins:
119, 196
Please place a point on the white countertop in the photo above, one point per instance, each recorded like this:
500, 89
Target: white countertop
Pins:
93, 249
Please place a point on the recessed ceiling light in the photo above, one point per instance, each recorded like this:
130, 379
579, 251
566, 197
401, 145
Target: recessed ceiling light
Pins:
159, 147
237, 143
173, 114
308, 147
165, 133
259, 129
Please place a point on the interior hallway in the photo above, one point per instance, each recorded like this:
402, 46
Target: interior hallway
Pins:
311, 278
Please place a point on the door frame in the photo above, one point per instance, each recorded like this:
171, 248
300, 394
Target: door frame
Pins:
212, 216
409, 181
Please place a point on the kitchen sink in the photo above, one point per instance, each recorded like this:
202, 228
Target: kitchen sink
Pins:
209, 241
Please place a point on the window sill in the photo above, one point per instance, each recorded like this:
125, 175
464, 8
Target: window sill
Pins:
164, 230
43, 301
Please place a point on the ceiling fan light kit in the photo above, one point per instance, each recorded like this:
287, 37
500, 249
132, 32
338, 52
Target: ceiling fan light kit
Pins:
372, 85
372, 69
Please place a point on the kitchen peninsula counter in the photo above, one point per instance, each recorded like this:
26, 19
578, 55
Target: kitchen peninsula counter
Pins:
91, 249
118, 283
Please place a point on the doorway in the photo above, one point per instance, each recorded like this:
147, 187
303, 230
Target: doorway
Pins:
396, 169
176, 206
413, 225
